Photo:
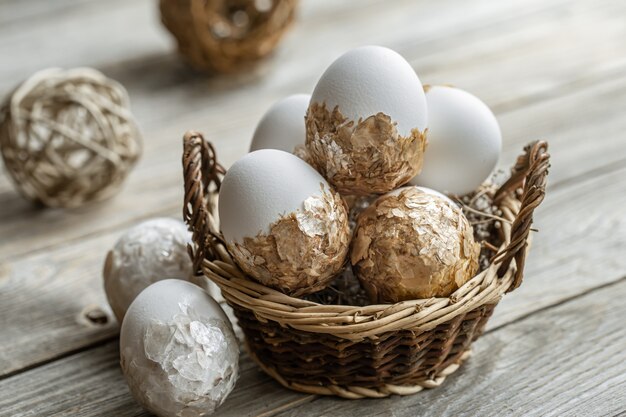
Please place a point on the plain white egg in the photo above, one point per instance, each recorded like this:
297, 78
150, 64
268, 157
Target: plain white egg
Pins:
464, 142
262, 186
282, 127
372, 79
178, 350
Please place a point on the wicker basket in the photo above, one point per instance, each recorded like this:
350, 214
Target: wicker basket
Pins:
371, 351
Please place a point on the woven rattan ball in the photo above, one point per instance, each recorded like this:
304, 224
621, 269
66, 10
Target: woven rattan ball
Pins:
227, 35
68, 137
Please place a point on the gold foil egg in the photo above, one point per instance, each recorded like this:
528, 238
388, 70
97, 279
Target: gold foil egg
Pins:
413, 243
366, 123
282, 223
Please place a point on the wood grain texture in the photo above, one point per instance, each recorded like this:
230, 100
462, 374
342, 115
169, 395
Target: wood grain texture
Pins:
564, 361
55, 290
168, 99
550, 70
91, 384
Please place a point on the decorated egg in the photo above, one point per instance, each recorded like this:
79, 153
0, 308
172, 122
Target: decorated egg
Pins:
464, 141
282, 223
366, 122
282, 127
178, 351
413, 243
150, 251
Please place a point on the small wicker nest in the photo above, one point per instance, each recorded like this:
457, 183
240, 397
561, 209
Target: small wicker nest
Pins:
68, 137
362, 351
227, 35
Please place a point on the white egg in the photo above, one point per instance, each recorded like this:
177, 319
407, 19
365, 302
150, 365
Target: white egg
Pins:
372, 79
464, 142
283, 224
282, 126
150, 251
178, 350
261, 187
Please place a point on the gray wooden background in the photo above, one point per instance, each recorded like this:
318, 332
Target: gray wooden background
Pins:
553, 70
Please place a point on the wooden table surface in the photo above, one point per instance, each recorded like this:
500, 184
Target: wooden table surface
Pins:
553, 70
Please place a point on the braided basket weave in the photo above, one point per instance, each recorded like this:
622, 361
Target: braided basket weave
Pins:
375, 350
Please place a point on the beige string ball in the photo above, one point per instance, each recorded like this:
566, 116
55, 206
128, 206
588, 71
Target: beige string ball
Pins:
68, 137
227, 35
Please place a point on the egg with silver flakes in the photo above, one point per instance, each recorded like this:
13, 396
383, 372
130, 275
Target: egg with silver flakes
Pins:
178, 352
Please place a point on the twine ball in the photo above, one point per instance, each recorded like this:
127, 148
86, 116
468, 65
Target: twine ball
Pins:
68, 137
226, 35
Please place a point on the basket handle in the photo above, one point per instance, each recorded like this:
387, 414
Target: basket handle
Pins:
202, 176
530, 172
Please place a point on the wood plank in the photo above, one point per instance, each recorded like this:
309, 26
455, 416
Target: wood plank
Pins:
74, 267
570, 131
229, 116
91, 383
536, 57
53, 289
566, 360
548, 364
156, 83
18, 12
583, 55
105, 31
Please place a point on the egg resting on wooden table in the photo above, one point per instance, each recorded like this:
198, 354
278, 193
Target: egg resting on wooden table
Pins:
413, 243
282, 126
282, 223
152, 250
178, 350
366, 122
464, 141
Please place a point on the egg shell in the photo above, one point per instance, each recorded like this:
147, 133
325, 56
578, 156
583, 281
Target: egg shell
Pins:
161, 301
150, 251
282, 127
262, 186
149, 383
413, 243
464, 142
426, 190
372, 79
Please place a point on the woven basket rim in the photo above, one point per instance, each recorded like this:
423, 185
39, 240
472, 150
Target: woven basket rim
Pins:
358, 322
354, 322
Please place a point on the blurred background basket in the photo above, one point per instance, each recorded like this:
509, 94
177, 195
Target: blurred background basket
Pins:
369, 351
